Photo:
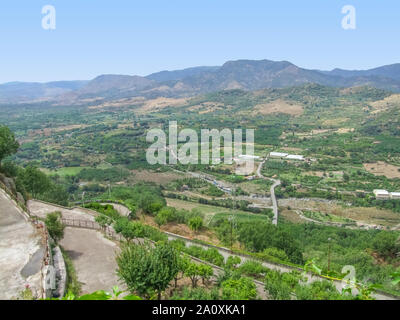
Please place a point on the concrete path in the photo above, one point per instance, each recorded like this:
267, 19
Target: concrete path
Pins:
21, 251
93, 257
41, 209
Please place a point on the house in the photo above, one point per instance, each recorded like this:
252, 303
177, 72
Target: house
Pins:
395, 195
278, 155
381, 194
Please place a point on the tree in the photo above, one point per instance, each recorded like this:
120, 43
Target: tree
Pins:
146, 269
257, 236
150, 204
276, 253
195, 223
34, 181
54, 226
385, 243
56, 194
183, 262
240, 289
8, 144
193, 271
276, 287
205, 272
128, 229
226, 232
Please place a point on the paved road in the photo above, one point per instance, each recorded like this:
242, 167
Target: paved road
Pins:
93, 257
21, 251
272, 191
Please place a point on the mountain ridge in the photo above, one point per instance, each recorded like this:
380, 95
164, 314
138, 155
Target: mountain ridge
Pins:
241, 74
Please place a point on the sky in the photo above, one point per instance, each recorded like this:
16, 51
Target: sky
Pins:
94, 37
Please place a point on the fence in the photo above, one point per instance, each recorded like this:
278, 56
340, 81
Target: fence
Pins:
87, 224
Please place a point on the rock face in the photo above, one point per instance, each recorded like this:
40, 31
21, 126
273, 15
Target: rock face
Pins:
9, 183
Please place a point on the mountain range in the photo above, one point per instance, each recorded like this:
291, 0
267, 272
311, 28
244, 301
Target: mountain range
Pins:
240, 74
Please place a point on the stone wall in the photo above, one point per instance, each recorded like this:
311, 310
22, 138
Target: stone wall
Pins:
61, 272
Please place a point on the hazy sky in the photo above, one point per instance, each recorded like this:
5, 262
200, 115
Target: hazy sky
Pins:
94, 37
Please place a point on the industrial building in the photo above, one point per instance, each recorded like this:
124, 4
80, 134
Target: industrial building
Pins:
381, 194
286, 156
395, 195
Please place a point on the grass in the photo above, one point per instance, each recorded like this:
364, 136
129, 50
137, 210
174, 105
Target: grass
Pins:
210, 211
73, 285
240, 217
326, 217
66, 171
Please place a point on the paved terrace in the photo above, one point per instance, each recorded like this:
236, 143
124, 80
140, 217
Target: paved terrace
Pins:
21, 251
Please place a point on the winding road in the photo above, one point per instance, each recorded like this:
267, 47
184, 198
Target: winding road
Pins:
272, 191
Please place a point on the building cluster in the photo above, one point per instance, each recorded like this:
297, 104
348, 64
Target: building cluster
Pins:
386, 195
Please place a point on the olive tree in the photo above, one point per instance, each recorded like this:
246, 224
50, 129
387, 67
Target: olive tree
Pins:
146, 268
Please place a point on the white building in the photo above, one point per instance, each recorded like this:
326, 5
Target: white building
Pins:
395, 195
248, 157
278, 155
381, 194
295, 157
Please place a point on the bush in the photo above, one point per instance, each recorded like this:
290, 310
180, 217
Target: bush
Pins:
275, 253
195, 223
54, 226
252, 268
166, 215
241, 289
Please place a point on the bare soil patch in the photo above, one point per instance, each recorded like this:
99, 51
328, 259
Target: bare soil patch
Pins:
344, 130
157, 177
381, 168
279, 106
388, 102
183, 230
360, 214
160, 103
206, 107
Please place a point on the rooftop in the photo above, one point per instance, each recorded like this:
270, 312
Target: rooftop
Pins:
278, 154
380, 191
